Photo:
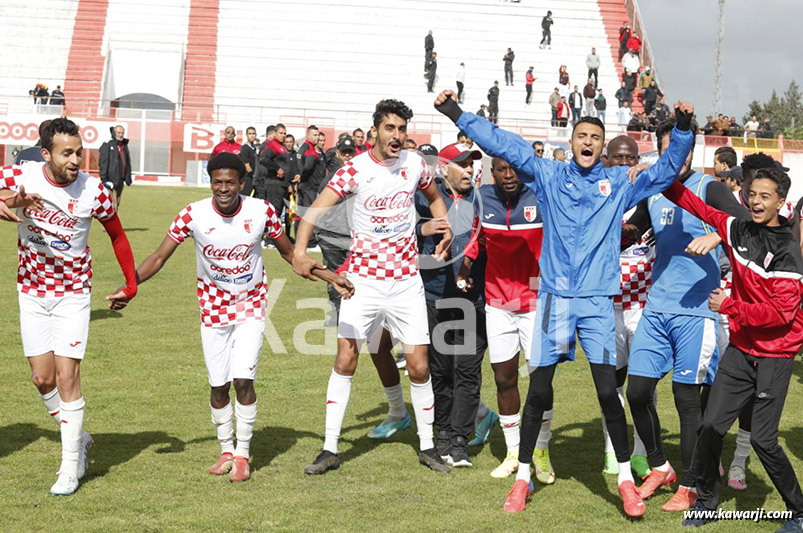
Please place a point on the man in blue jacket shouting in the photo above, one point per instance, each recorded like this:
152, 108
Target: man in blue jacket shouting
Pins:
582, 206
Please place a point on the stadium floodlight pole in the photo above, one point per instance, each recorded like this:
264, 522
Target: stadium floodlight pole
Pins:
718, 59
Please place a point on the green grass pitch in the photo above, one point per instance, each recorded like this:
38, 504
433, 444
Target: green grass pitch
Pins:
147, 407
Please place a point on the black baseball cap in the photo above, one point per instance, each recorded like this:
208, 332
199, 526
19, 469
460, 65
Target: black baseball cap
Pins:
735, 173
779, 166
345, 144
427, 149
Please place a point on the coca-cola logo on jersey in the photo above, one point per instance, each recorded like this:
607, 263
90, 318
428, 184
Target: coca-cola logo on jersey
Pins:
397, 200
237, 253
52, 216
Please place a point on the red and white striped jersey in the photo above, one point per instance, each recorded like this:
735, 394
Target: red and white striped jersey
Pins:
382, 214
635, 263
54, 255
232, 285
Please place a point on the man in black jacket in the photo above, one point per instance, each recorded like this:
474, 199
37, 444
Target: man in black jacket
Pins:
248, 155
429, 46
115, 163
508, 59
546, 31
432, 69
493, 103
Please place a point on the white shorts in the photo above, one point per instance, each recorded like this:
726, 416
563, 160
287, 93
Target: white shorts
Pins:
399, 303
508, 333
232, 352
55, 324
626, 323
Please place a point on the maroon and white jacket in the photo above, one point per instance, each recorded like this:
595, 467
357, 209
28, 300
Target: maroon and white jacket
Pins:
763, 310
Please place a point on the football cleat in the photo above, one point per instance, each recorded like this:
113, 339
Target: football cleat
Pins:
611, 464
433, 461
508, 466
639, 465
517, 497
483, 428
683, 499
631, 500
64, 485
543, 467
223, 465
737, 478
325, 461
240, 471
389, 427
654, 480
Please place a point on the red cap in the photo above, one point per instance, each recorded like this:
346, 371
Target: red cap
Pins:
458, 152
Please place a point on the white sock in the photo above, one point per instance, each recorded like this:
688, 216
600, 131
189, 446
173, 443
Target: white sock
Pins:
545, 434
624, 473
482, 412
337, 399
511, 430
523, 472
246, 416
52, 400
742, 448
222, 419
423, 400
72, 426
663, 468
396, 408
606, 437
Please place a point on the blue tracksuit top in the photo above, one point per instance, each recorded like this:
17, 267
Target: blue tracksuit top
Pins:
681, 283
582, 209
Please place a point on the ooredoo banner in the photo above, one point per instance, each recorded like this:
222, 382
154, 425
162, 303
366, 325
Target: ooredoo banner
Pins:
24, 130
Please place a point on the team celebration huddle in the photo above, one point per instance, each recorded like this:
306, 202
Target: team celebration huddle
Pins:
652, 269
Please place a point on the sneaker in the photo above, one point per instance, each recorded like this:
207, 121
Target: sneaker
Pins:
64, 485
443, 445
483, 428
401, 360
698, 516
432, 460
654, 480
639, 465
508, 466
683, 499
631, 500
611, 464
325, 461
543, 467
389, 427
737, 478
223, 464
240, 471
459, 455
315, 248
795, 524
83, 454
517, 497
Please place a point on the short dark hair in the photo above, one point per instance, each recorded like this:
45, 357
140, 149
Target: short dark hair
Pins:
391, 107
226, 160
249, 128
726, 155
269, 130
537, 143
781, 179
280, 125
357, 130
666, 127
57, 126
290, 136
460, 135
753, 162
590, 120
312, 127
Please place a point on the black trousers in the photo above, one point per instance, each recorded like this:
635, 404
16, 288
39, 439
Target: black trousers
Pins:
529, 89
740, 378
430, 82
593, 72
334, 248
508, 73
460, 91
547, 36
455, 363
493, 112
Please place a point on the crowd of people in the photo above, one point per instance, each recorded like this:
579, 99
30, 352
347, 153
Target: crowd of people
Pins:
42, 96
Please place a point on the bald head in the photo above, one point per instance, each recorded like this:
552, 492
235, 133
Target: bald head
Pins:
622, 150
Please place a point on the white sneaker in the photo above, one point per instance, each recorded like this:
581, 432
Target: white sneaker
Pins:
83, 454
64, 485
315, 248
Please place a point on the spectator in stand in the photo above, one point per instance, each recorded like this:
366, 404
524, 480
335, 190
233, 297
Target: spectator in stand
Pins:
57, 97
634, 43
228, 144
631, 66
625, 115
432, 70
651, 95
546, 31
563, 80
559, 154
765, 130
461, 80
635, 123
645, 78
662, 111
538, 148
624, 95
600, 104
563, 112
751, 127
359, 141
409, 144
429, 46
481, 111
493, 103
575, 104
248, 155
554, 100
593, 62
34, 153
508, 59
589, 93
709, 125
41, 95
734, 129
529, 79
721, 125
114, 164
624, 35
